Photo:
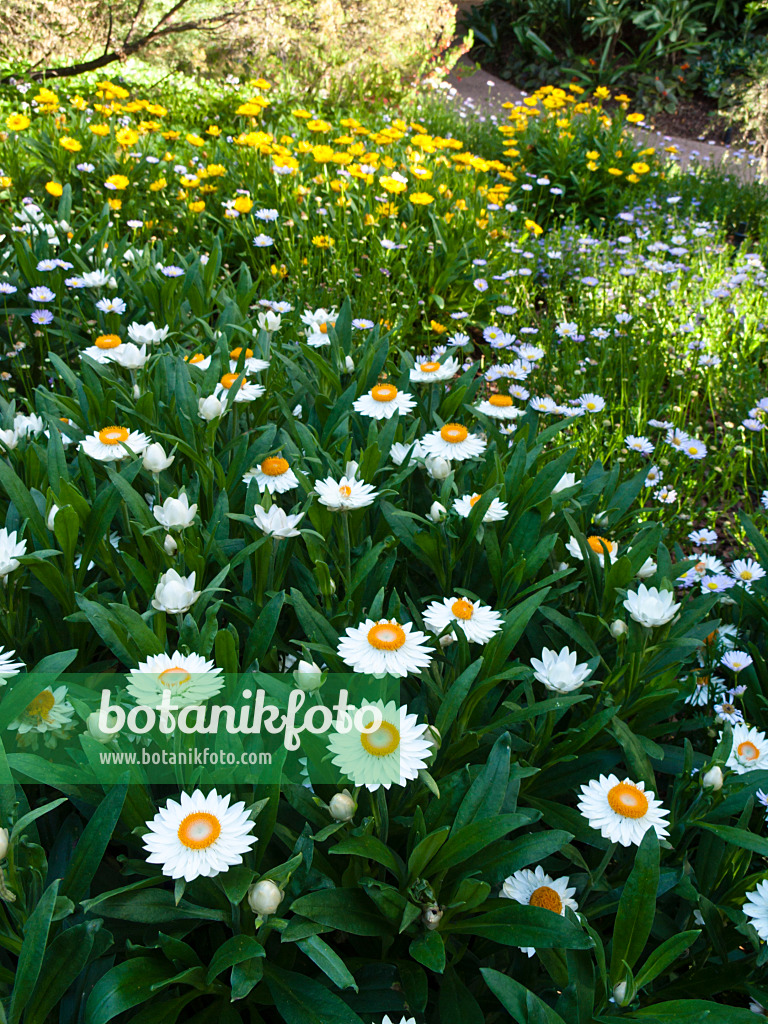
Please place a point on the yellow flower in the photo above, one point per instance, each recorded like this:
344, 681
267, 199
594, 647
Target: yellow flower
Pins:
437, 328
635, 118
323, 241
115, 204
301, 113
99, 129
243, 204
195, 140
155, 186
318, 126
117, 181
78, 102
71, 145
602, 93
593, 155
5, 182
531, 225
198, 206
126, 137
216, 170
591, 165
261, 83
392, 184
615, 172
633, 178
17, 122
323, 154
640, 167
213, 129
53, 188
421, 198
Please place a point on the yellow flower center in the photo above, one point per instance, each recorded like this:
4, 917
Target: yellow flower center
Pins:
386, 636
274, 466
474, 499
236, 352
599, 544
462, 608
107, 341
228, 380
384, 740
747, 751
345, 490
384, 393
174, 676
200, 830
323, 328
198, 357
41, 705
547, 898
429, 367
500, 401
745, 574
113, 435
628, 801
454, 433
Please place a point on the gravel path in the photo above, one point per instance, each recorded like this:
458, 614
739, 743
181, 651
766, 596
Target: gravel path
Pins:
484, 94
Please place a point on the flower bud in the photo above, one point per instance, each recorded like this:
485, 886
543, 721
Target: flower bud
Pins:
342, 806
136, 392
4, 843
437, 512
92, 725
713, 779
264, 897
437, 467
155, 459
431, 917
620, 993
170, 545
447, 640
349, 364
209, 408
619, 628
308, 676
51, 517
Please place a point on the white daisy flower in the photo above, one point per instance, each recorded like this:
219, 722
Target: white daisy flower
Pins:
559, 671
385, 647
746, 571
453, 441
11, 550
430, 371
346, 494
201, 836
50, 711
478, 622
198, 360
495, 512
273, 475
147, 334
621, 810
189, 678
756, 908
393, 753
600, 545
398, 452
749, 752
8, 667
276, 522
538, 889
114, 443
500, 407
251, 364
705, 690
383, 401
736, 661
246, 391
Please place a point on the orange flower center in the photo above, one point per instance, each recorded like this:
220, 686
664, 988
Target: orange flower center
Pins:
274, 466
454, 433
747, 751
174, 676
198, 357
345, 490
382, 741
236, 353
228, 380
628, 801
41, 705
546, 898
384, 392
108, 341
599, 544
462, 608
386, 636
474, 499
113, 435
199, 830
429, 367
500, 401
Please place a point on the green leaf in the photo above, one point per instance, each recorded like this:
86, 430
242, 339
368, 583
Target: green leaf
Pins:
485, 796
234, 951
371, 848
523, 1006
471, 839
155, 906
517, 925
27, 819
329, 962
64, 959
429, 950
32, 952
637, 907
300, 1000
349, 910
692, 1011
738, 837
125, 986
92, 845
664, 955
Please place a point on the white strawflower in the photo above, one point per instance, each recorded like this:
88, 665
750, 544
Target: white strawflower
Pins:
175, 513
50, 711
273, 474
383, 401
622, 811
265, 897
600, 545
11, 550
147, 334
385, 646
174, 593
111, 444
155, 459
430, 371
495, 512
535, 888
756, 908
8, 667
346, 494
276, 522
189, 678
210, 408
651, 606
453, 442
477, 621
559, 671
749, 752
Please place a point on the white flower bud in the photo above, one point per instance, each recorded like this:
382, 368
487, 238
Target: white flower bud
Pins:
437, 512
619, 628
155, 459
92, 725
447, 640
4, 843
713, 779
170, 545
308, 676
349, 364
620, 993
209, 408
51, 517
437, 467
431, 917
136, 392
342, 806
264, 897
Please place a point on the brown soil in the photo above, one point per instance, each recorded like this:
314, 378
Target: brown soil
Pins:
695, 119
